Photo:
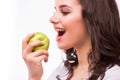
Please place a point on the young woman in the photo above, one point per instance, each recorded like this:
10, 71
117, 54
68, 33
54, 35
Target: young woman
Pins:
89, 33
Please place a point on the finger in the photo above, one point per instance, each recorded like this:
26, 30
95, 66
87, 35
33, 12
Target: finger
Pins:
43, 57
32, 45
40, 52
35, 54
25, 41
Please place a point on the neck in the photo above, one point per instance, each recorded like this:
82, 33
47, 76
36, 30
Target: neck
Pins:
82, 53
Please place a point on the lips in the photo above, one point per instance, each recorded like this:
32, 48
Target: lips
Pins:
60, 31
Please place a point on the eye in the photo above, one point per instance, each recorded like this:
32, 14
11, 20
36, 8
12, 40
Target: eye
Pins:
65, 12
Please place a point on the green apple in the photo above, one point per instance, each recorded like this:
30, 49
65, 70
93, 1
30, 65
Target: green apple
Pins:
42, 37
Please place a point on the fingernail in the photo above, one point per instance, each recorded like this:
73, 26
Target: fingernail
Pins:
43, 42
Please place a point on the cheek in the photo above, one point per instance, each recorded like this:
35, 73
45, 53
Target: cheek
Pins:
74, 24
72, 20
75, 30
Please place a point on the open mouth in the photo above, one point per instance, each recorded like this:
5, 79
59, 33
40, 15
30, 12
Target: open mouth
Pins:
61, 33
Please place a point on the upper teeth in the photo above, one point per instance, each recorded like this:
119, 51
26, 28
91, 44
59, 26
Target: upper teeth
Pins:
59, 30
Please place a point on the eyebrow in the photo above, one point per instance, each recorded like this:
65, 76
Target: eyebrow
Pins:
61, 6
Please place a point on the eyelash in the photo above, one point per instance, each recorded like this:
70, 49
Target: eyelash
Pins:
65, 12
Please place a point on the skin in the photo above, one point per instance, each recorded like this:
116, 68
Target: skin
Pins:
68, 16
33, 59
76, 35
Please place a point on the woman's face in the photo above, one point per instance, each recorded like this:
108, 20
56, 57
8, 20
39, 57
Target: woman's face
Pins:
69, 24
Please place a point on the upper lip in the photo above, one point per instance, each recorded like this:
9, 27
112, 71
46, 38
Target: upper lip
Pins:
58, 28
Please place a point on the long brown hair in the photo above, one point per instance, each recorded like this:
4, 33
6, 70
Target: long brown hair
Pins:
102, 21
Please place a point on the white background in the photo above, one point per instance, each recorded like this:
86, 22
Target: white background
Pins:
17, 19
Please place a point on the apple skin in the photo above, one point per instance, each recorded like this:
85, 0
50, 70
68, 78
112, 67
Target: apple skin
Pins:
42, 37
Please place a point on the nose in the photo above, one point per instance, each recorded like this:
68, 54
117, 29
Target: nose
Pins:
54, 19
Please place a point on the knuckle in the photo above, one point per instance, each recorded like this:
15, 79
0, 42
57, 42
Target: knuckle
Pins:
31, 44
23, 54
24, 57
28, 58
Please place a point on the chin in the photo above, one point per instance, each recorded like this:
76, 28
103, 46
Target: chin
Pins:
63, 47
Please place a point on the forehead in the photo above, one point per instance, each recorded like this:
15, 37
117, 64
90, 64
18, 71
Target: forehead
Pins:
67, 2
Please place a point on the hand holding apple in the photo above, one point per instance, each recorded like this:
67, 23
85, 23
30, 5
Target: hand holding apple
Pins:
42, 37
